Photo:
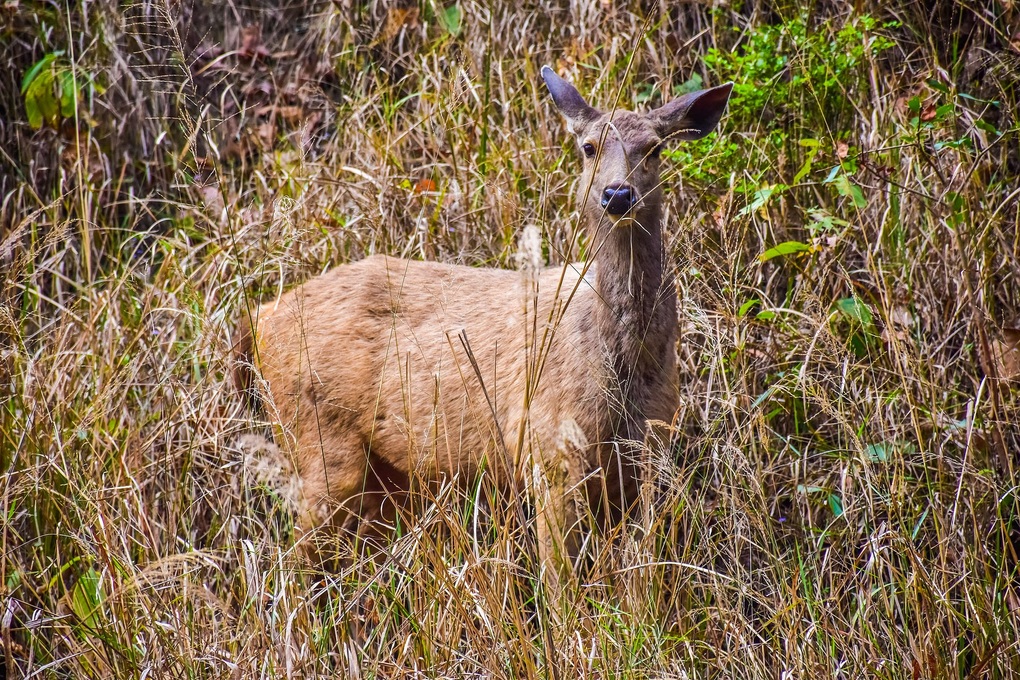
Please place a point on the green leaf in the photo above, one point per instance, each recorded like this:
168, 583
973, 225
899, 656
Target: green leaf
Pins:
987, 127
962, 142
994, 102
879, 453
936, 85
847, 188
38, 66
823, 221
811, 144
87, 598
41, 104
765, 315
917, 527
746, 307
646, 93
861, 334
785, 248
68, 94
692, 84
836, 505
451, 19
856, 310
761, 197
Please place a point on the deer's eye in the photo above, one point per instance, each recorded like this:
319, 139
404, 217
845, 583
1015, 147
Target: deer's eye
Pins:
657, 151
589, 149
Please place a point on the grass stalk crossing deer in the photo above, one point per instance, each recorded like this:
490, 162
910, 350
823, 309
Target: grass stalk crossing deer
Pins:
386, 370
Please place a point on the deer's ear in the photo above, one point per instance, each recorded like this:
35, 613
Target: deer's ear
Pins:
570, 103
693, 115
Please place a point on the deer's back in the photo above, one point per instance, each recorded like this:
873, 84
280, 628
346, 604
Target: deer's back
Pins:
423, 364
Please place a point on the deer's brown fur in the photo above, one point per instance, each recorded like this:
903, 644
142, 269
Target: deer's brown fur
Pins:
387, 368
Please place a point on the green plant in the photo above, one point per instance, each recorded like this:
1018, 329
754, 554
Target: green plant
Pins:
53, 89
836, 497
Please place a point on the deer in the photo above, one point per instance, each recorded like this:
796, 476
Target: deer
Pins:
385, 370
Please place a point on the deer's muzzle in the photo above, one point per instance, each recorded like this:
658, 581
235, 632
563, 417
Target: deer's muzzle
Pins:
618, 199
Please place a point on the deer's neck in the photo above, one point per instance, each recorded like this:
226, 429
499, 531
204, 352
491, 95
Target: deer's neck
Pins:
636, 310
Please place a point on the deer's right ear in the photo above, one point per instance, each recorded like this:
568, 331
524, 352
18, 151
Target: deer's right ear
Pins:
570, 103
693, 115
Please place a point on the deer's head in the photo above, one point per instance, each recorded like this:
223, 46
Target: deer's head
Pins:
621, 149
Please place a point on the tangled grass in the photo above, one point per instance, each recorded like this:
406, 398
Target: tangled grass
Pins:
838, 497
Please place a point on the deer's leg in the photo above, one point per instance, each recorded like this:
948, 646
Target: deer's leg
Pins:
381, 503
557, 482
334, 475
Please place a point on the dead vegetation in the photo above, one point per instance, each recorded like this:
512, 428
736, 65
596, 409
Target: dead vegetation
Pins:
837, 497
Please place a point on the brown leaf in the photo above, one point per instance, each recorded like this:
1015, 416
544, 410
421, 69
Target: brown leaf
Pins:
842, 149
928, 112
267, 134
236, 149
291, 114
258, 86
1006, 354
396, 19
212, 198
425, 185
1013, 600
79, 154
251, 43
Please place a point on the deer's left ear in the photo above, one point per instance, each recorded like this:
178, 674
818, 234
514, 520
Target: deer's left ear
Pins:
693, 115
568, 100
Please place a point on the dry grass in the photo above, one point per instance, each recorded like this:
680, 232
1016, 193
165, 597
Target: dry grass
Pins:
838, 500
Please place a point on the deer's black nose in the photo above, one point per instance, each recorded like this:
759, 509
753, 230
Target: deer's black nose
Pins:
618, 199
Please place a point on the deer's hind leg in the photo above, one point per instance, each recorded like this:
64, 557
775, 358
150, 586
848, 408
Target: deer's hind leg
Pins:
334, 472
558, 481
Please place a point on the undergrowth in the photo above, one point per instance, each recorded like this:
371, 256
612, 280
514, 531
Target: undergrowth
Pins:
839, 494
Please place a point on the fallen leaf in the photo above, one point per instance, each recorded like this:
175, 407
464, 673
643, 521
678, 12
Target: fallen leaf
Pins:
267, 134
258, 86
1013, 600
425, 185
842, 149
212, 198
396, 19
289, 114
251, 43
1006, 354
901, 316
719, 217
928, 112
